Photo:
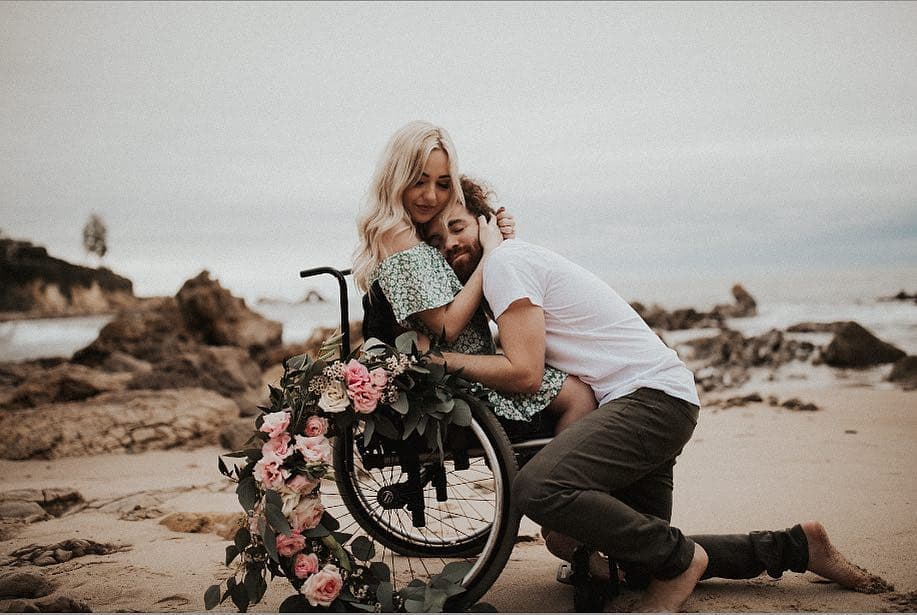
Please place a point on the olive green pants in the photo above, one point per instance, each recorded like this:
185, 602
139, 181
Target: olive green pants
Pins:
606, 481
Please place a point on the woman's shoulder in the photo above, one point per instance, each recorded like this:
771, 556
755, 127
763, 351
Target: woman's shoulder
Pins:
420, 259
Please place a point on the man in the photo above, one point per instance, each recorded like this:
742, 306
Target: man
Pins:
606, 480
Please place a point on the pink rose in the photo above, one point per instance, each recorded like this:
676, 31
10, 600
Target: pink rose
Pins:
269, 473
275, 423
301, 484
305, 565
323, 587
316, 426
315, 449
379, 378
279, 446
365, 398
355, 373
288, 545
307, 514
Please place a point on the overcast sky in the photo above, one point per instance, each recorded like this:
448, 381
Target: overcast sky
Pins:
707, 134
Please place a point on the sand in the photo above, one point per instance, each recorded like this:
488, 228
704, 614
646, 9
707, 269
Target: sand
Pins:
850, 465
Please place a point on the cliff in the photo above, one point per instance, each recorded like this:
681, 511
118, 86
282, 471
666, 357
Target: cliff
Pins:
36, 284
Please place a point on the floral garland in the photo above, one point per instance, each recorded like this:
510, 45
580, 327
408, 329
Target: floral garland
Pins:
289, 533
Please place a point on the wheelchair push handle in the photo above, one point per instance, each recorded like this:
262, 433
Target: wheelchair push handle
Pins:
345, 308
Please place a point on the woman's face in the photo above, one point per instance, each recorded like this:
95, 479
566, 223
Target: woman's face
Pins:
430, 193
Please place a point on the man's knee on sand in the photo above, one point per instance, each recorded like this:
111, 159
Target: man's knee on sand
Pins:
535, 495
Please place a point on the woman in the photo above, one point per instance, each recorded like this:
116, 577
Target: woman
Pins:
416, 178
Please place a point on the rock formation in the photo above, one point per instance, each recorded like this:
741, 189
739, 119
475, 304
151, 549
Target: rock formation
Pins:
34, 283
904, 372
688, 318
855, 346
115, 422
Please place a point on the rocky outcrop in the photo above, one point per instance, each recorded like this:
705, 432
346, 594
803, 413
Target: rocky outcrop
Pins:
115, 422
744, 306
217, 318
203, 337
855, 346
904, 372
688, 318
61, 383
224, 525
37, 284
44, 503
58, 553
723, 361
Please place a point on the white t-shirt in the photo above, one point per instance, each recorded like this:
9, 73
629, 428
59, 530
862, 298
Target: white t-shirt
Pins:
590, 331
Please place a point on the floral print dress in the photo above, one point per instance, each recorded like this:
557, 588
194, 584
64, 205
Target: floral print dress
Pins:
419, 279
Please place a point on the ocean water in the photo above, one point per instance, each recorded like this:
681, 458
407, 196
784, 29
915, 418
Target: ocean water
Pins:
784, 298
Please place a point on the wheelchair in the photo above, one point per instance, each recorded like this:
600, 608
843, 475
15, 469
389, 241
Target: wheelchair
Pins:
420, 510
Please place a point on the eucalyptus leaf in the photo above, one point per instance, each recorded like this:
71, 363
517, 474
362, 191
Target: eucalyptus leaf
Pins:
232, 552
276, 519
338, 551
414, 605
251, 585
243, 538
381, 571
369, 428
406, 342
212, 597
239, 596
318, 531
384, 596
461, 413
401, 405
248, 493
330, 522
362, 548
455, 571
270, 542
434, 600
385, 427
410, 423
273, 497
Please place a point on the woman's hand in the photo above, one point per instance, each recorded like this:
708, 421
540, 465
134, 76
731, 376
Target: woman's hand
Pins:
489, 233
506, 223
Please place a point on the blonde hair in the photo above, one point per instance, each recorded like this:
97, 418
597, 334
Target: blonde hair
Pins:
400, 166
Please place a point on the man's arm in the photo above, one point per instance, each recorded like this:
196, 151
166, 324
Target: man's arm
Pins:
521, 368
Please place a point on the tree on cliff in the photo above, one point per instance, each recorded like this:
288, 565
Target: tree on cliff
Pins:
94, 234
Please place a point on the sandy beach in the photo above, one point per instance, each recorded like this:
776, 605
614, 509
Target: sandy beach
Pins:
848, 464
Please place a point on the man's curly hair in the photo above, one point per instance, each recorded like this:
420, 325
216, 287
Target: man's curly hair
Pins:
477, 197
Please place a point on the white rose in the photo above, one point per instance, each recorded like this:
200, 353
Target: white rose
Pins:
334, 398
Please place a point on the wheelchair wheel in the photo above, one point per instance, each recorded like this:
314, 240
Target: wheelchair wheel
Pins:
464, 503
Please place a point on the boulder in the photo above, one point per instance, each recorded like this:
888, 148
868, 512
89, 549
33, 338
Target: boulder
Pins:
855, 346
152, 333
25, 584
129, 421
218, 318
223, 369
18, 510
53, 501
62, 383
222, 524
904, 372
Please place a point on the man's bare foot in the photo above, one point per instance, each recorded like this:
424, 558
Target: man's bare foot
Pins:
668, 596
826, 561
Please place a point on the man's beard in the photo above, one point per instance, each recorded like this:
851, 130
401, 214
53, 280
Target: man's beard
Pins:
467, 262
